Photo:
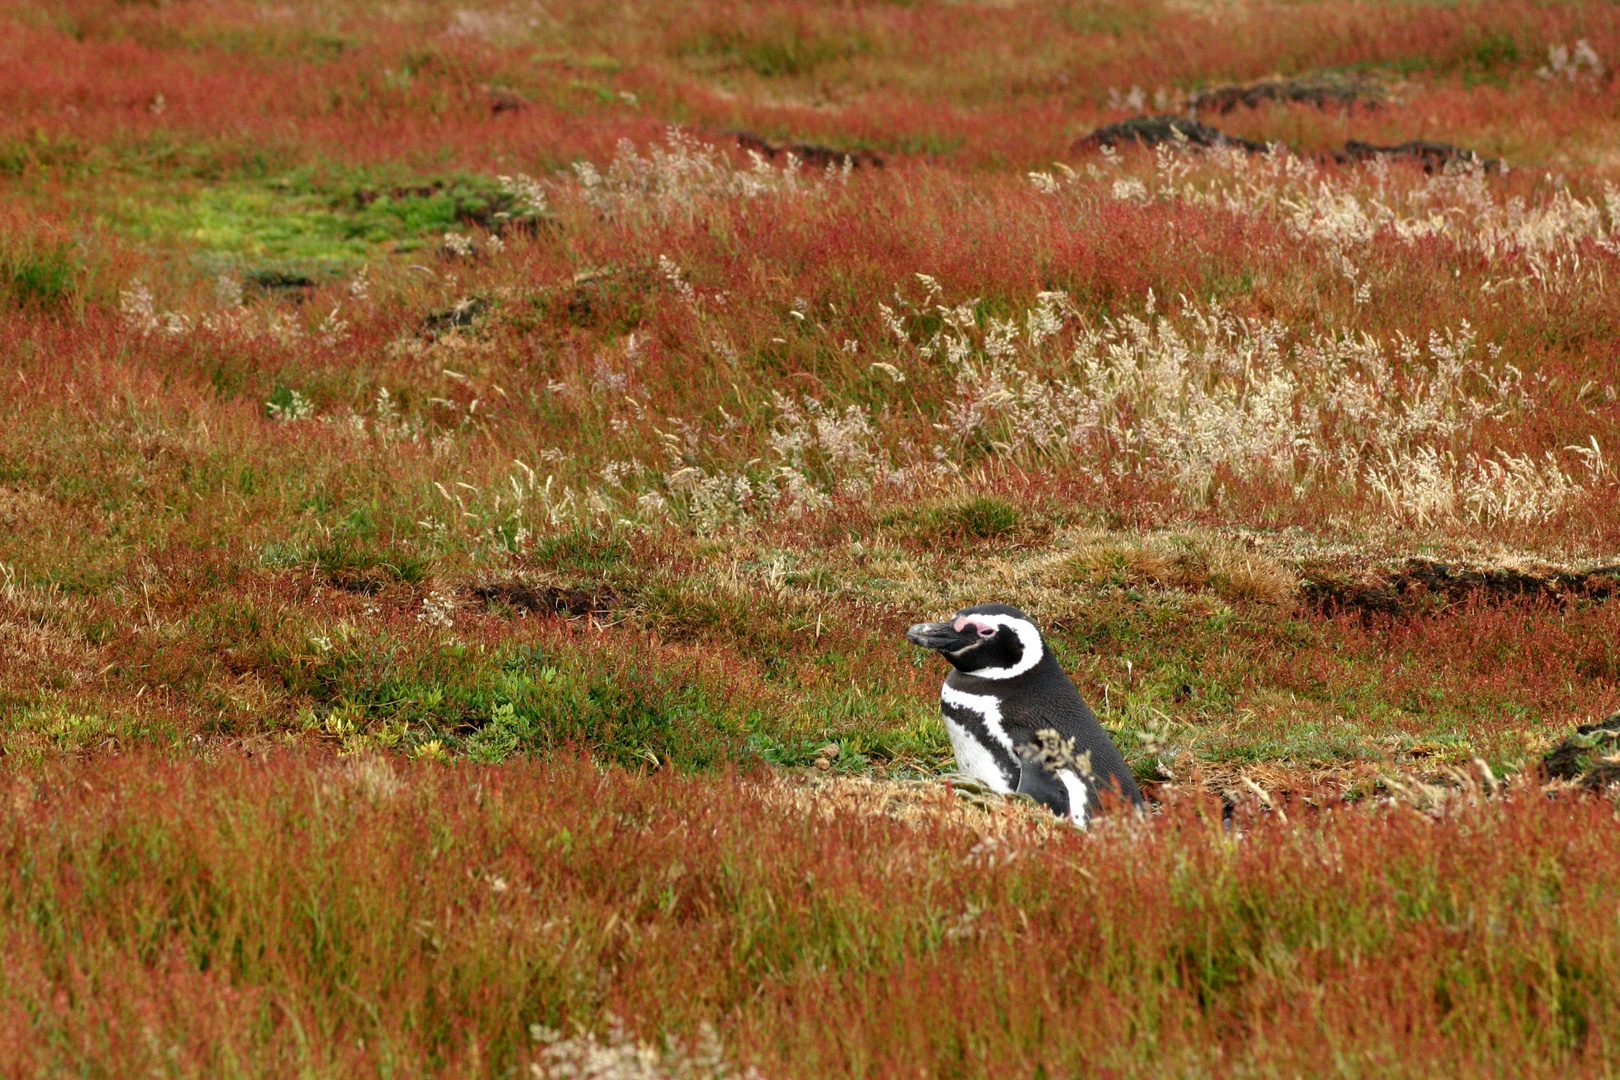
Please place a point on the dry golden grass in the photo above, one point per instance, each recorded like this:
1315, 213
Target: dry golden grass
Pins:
38, 647
1193, 562
913, 802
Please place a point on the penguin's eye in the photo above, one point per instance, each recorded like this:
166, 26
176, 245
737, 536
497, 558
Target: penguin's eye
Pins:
987, 631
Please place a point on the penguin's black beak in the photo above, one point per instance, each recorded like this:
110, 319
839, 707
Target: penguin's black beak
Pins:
939, 635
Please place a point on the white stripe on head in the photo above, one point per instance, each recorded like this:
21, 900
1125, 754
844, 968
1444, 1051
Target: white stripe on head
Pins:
1028, 637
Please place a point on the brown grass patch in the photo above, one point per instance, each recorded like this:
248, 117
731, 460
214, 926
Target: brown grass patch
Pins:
1190, 563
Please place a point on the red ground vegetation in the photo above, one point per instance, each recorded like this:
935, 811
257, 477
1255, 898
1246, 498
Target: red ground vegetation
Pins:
279, 913
390, 393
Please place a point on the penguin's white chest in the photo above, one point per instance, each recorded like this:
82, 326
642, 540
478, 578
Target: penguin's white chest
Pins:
972, 735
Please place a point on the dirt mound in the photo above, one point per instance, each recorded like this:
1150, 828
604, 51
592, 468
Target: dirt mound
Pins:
1153, 130
364, 197
1432, 156
1587, 755
283, 283
810, 154
547, 599
503, 100
1321, 91
1422, 584
436, 324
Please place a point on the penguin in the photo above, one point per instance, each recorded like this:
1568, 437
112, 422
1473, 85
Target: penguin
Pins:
1016, 721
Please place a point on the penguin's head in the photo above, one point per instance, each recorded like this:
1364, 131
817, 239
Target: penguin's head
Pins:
992, 641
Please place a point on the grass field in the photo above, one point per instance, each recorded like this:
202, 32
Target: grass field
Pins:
465, 474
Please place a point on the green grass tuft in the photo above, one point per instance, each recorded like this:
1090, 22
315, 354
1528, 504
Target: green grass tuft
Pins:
983, 517
45, 278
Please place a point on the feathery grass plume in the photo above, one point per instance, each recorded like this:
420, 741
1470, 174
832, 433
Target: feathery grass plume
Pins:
1536, 244
1206, 392
676, 179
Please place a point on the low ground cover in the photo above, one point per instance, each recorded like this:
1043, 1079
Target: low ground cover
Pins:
422, 398
320, 916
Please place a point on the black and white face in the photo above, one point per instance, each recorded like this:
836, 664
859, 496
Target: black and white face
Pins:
992, 641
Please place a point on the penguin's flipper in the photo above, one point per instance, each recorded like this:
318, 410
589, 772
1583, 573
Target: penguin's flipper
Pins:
1050, 790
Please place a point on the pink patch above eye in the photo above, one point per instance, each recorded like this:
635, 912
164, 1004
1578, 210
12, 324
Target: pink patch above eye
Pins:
963, 625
